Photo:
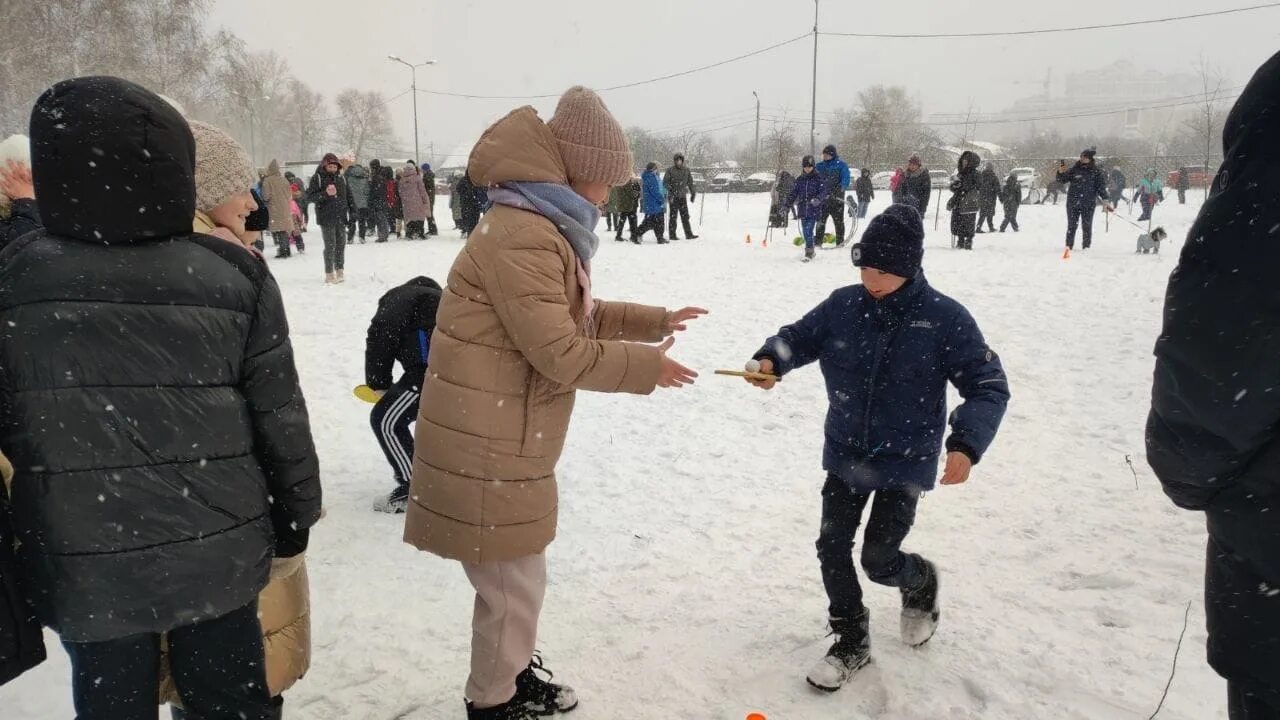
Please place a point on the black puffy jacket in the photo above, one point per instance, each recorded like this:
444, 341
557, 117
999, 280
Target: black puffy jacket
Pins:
916, 189
1213, 435
21, 642
148, 396
1088, 184
401, 332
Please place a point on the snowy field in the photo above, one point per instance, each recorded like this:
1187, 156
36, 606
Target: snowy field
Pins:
684, 583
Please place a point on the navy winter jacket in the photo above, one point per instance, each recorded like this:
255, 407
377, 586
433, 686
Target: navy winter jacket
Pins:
886, 365
808, 192
1088, 184
835, 176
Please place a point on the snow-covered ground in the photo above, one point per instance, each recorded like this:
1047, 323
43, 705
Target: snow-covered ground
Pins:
684, 582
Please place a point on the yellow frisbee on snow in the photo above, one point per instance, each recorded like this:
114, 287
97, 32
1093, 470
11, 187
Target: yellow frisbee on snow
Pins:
367, 394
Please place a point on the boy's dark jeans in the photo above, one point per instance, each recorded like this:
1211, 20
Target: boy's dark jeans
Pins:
892, 514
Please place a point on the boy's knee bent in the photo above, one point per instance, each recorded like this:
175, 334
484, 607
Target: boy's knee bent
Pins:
882, 563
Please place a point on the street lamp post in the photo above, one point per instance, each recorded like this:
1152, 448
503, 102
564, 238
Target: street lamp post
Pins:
753, 92
414, 69
813, 108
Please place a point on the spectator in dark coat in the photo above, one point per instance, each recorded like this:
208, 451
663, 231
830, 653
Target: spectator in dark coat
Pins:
188, 434
1117, 182
988, 195
1054, 187
678, 183
18, 212
779, 213
964, 205
469, 204
332, 197
429, 180
836, 178
1212, 436
1011, 200
358, 180
1183, 185
865, 191
888, 349
379, 205
1087, 185
628, 205
916, 186
399, 332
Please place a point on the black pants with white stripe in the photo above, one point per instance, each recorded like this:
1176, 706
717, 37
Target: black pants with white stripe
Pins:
390, 419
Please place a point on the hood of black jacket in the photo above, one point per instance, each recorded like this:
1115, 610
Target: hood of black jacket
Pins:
112, 162
358, 171
426, 282
1241, 204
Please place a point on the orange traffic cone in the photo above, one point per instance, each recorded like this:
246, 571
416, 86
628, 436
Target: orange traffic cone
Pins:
748, 238
1066, 254
765, 242
756, 716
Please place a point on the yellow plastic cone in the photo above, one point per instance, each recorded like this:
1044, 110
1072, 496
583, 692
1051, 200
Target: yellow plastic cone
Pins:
748, 238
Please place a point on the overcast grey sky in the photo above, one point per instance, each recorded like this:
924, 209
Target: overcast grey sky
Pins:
515, 47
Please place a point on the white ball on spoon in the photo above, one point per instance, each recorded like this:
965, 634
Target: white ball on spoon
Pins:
753, 366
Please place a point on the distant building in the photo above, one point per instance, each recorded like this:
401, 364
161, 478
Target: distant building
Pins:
1119, 100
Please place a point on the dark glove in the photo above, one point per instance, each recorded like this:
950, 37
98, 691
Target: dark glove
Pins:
693, 196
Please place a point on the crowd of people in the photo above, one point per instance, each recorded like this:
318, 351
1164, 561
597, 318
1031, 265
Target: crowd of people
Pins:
161, 479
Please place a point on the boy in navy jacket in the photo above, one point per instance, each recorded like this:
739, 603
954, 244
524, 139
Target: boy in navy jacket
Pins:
400, 332
887, 349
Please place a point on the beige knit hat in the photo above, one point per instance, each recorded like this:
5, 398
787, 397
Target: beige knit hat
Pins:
223, 167
591, 141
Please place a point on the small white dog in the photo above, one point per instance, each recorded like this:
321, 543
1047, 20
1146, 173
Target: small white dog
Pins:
1150, 242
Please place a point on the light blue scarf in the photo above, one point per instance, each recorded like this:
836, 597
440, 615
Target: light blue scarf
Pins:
572, 214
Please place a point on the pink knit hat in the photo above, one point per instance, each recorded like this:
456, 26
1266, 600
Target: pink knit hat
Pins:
591, 141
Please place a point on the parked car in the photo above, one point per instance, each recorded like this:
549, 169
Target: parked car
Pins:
1199, 176
1028, 177
759, 182
724, 182
700, 181
940, 178
880, 180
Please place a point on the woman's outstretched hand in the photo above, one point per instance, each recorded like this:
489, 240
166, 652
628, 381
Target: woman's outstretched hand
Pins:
671, 373
677, 321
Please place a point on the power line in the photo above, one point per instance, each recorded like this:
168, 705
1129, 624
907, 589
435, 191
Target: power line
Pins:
1046, 31
1163, 103
637, 83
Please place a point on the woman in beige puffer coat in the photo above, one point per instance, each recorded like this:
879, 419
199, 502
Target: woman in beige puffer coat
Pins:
517, 333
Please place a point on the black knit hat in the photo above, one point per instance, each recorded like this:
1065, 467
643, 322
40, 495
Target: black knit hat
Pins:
829, 150
806, 161
1090, 153
893, 242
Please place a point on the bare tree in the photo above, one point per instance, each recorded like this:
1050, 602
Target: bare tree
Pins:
885, 125
1208, 120
304, 115
364, 124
